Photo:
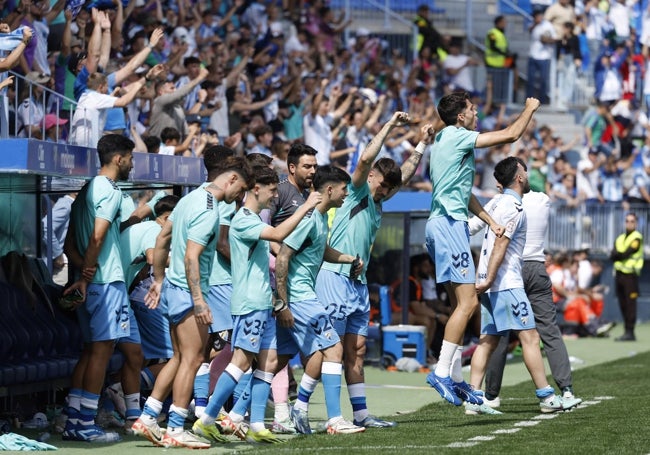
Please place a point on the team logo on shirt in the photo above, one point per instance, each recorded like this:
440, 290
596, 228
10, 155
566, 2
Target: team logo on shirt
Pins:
253, 341
463, 272
510, 227
524, 320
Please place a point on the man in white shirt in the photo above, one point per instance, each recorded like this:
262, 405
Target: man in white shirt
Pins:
504, 305
456, 67
542, 46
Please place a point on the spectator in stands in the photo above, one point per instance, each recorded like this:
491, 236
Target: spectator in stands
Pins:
89, 118
542, 40
569, 61
587, 177
566, 191
456, 68
30, 113
607, 75
560, 13
628, 263
171, 141
14, 57
264, 139
167, 110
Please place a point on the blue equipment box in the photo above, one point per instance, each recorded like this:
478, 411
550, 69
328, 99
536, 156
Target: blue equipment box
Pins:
405, 341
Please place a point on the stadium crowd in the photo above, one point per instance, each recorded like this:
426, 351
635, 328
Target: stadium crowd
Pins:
268, 81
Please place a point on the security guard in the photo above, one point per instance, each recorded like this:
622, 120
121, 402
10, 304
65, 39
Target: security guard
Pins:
628, 262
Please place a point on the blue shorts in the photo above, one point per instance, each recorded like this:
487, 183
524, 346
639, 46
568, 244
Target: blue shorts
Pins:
346, 301
448, 245
254, 332
105, 314
134, 332
155, 337
176, 302
313, 331
506, 310
219, 302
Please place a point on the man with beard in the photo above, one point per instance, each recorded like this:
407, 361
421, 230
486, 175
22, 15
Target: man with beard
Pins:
92, 245
504, 303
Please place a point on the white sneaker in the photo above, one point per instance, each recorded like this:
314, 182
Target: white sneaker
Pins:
339, 425
476, 409
283, 427
492, 403
552, 405
185, 439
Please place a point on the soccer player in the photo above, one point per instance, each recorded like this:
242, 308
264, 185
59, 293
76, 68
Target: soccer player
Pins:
303, 323
354, 228
137, 244
452, 175
193, 229
292, 191
537, 285
504, 304
252, 307
220, 282
92, 245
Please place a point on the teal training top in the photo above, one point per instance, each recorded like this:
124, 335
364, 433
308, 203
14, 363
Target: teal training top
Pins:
452, 170
100, 198
250, 264
195, 218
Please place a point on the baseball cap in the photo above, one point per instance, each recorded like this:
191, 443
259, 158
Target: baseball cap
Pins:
51, 120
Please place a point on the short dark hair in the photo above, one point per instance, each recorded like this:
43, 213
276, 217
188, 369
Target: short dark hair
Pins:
152, 143
165, 204
506, 170
213, 157
169, 133
389, 169
262, 130
264, 175
239, 165
451, 105
329, 174
297, 150
110, 145
74, 60
259, 159
191, 60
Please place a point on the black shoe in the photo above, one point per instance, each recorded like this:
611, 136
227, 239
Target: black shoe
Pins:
626, 337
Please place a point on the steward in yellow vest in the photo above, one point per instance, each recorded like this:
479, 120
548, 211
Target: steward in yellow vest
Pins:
628, 263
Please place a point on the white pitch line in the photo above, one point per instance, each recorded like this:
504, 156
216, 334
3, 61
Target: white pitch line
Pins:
506, 431
590, 402
482, 438
546, 416
461, 444
526, 423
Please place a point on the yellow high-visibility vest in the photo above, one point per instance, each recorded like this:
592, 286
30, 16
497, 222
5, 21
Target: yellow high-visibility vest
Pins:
493, 58
634, 263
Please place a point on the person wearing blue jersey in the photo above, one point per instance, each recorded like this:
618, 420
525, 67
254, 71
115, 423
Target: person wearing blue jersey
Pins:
92, 245
303, 323
149, 342
252, 308
452, 170
504, 303
193, 229
353, 231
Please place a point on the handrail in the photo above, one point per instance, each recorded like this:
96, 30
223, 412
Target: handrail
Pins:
392, 14
55, 101
522, 12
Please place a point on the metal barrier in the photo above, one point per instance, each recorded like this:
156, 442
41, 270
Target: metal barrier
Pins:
358, 10
593, 226
50, 100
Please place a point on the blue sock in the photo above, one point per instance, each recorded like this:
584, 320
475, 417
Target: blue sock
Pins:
331, 378
224, 388
261, 386
202, 385
544, 392
244, 401
89, 404
147, 380
177, 417
243, 386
